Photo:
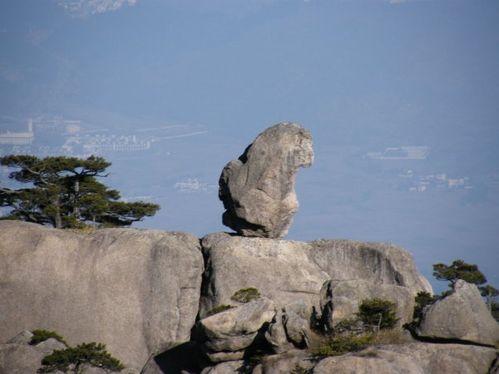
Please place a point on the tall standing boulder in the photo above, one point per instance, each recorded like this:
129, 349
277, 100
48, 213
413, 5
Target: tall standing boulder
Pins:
137, 291
257, 189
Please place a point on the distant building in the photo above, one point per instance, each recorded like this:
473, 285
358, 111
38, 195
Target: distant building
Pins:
18, 138
114, 143
439, 182
58, 125
192, 185
401, 153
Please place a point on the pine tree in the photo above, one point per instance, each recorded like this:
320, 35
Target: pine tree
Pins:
459, 270
64, 192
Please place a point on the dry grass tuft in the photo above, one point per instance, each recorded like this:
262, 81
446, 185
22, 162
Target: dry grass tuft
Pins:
393, 336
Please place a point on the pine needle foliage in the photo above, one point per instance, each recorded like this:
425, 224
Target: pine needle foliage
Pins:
42, 335
72, 359
64, 192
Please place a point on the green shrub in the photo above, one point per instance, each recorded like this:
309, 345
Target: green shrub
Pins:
245, 295
339, 345
378, 313
42, 335
459, 270
218, 309
94, 354
422, 300
495, 311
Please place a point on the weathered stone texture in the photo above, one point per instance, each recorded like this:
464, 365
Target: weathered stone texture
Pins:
279, 269
414, 358
463, 315
257, 189
137, 291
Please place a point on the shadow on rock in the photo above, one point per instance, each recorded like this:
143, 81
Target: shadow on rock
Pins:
183, 358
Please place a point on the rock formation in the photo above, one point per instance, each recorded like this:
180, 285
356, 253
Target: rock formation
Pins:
288, 271
137, 291
414, 358
347, 296
279, 269
227, 334
378, 263
17, 356
462, 315
257, 189
165, 302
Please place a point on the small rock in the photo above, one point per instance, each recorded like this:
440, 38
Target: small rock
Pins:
50, 345
276, 334
228, 333
297, 324
24, 337
19, 359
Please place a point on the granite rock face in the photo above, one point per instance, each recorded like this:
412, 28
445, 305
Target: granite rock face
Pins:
257, 189
296, 361
348, 295
462, 315
414, 358
137, 291
289, 272
289, 328
377, 263
279, 269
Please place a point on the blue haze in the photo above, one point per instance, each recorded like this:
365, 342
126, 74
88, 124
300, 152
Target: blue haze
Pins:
361, 75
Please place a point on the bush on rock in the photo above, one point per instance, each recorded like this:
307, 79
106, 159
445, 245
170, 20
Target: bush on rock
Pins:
42, 335
339, 345
378, 313
73, 358
245, 295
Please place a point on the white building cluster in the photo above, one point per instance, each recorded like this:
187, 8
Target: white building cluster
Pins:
18, 138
